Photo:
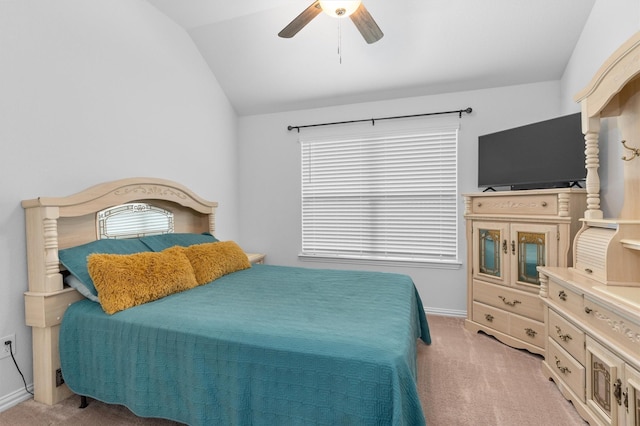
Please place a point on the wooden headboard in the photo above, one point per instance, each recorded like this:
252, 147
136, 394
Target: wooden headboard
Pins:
62, 222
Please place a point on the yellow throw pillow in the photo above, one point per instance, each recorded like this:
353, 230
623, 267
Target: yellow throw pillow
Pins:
124, 281
210, 261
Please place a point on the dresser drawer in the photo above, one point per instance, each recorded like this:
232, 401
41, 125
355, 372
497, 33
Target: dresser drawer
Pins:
527, 330
568, 336
519, 302
542, 204
491, 317
565, 366
570, 301
615, 327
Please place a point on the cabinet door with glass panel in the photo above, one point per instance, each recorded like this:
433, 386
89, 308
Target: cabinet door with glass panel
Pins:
491, 252
631, 396
613, 387
531, 245
509, 253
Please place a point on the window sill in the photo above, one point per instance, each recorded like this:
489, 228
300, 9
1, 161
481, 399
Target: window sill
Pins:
382, 262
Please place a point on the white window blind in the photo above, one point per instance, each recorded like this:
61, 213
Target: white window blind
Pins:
389, 197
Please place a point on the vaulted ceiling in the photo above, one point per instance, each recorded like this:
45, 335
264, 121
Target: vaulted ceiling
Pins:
429, 47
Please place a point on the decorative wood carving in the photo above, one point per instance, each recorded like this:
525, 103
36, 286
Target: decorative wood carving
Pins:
151, 190
544, 285
467, 205
618, 326
511, 205
51, 245
563, 204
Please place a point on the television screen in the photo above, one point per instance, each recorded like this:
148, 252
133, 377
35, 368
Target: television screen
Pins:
547, 154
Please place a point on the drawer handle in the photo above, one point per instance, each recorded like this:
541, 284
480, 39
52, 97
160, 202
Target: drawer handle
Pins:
488, 317
626, 399
563, 370
530, 332
588, 271
544, 204
588, 310
479, 204
562, 296
617, 391
506, 302
563, 337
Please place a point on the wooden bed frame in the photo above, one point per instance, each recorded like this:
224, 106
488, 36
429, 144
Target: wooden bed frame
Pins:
58, 223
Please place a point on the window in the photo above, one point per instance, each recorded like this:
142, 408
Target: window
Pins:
381, 197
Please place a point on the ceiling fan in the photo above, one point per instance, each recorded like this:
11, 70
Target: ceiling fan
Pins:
339, 9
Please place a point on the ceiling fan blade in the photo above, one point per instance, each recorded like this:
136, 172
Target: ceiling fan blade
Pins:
301, 20
366, 25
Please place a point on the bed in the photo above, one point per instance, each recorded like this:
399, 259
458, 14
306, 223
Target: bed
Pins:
232, 341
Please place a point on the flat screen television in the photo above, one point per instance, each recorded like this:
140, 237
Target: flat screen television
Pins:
547, 154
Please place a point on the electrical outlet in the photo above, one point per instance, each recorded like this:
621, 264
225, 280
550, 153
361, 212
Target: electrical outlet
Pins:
4, 346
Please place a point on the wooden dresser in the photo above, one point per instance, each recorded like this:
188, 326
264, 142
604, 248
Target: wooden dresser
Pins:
592, 310
593, 345
509, 234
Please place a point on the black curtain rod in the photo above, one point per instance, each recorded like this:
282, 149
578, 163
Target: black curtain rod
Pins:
373, 120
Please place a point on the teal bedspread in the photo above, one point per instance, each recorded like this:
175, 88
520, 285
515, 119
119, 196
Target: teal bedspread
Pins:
268, 345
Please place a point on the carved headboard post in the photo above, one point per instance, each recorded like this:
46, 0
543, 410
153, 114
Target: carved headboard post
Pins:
42, 248
212, 221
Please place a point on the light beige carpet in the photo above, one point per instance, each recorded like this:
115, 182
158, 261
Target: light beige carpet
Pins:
463, 379
473, 379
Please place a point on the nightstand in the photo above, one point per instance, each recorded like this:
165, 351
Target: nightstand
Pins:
256, 258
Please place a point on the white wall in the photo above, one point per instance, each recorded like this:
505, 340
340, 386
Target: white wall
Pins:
96, 91
609, 25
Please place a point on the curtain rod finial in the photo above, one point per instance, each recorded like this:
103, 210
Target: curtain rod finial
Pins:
468, 111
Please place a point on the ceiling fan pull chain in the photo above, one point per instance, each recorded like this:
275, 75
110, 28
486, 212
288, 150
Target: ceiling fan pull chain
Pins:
340, 41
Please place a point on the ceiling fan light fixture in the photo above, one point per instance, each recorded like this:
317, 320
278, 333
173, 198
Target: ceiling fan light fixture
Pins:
339, 8
354, 9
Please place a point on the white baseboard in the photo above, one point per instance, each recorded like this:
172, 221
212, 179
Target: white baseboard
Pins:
445, 312
15, 398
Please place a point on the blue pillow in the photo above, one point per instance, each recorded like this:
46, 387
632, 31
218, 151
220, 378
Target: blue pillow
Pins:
75, 258
164, 241
74, 282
